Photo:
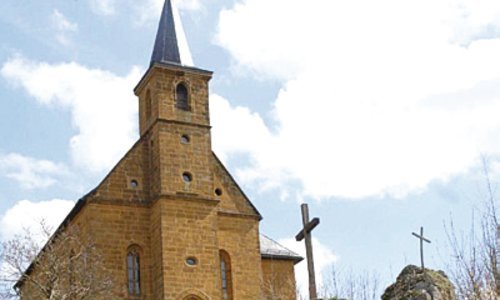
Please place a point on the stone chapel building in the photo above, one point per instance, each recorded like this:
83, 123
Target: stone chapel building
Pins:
169, 219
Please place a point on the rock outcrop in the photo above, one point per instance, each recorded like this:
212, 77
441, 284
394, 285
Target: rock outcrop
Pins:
414, 284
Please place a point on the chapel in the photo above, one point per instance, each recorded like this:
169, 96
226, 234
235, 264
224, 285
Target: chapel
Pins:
169, 220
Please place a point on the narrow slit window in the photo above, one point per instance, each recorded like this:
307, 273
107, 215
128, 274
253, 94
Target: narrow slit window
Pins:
182, 97
148, 104
134, 272
71, 279
225, 271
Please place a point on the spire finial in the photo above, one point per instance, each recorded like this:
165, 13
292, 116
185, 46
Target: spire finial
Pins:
166, 48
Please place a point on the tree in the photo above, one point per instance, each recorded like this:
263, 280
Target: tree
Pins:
475, 256
67, 267
347, 285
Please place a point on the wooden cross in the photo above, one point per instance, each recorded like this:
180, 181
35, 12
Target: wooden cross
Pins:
305, 233
422, 239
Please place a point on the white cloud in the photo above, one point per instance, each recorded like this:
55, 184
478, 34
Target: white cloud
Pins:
473, 20
102, 104
377, 97
29, 172
28, 215
157, 5
184, 50
247, 134
63, 27
323, 260
103, 7
150, 11
187, 4
147, 11
62, 23
245, 127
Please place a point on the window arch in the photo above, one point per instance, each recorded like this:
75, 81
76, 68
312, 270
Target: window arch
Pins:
192, 294
226, 278
182, 96
134, 271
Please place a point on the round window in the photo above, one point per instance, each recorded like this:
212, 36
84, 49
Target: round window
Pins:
187, 177
191, 261
185, 139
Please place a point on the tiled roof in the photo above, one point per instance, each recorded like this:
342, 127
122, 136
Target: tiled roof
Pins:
272, 249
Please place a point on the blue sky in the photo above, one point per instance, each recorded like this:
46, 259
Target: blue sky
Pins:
375, 113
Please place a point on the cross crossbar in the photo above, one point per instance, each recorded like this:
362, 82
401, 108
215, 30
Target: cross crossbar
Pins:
422, 239
308, 228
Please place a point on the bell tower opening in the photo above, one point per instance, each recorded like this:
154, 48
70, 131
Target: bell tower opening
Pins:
148, 104
182, 97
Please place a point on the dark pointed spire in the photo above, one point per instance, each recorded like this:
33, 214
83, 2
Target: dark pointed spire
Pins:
166, 48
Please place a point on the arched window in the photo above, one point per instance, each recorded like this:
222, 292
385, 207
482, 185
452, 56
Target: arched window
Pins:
134, 271
148, 104
182, 97
225, 271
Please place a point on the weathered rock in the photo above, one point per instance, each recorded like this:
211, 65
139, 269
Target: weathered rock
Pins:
414, 284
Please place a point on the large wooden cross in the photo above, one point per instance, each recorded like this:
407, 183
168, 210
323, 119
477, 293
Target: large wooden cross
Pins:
305, 233
422, 239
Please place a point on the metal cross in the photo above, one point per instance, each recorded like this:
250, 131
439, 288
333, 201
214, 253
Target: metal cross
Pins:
422, 239
305, 233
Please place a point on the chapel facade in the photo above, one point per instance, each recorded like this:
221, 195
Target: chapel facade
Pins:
169, 219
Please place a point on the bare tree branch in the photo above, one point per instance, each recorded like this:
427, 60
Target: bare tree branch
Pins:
68, 267
474, 269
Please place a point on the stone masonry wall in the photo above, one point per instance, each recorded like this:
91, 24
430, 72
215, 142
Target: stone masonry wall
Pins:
160, 84
177, 158
278, 279
188, 230
239, 237
114, 228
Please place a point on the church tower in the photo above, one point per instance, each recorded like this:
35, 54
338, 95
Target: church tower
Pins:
169, 219
183, 188
174, 118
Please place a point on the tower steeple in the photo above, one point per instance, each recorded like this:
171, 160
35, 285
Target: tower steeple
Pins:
166, 48
172, 90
